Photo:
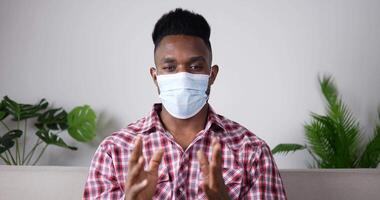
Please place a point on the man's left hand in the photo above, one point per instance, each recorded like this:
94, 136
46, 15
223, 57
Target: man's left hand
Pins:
213, 183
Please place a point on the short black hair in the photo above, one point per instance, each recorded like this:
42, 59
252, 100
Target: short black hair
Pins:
181, 22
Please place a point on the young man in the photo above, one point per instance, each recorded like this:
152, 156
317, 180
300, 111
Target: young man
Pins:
183, 149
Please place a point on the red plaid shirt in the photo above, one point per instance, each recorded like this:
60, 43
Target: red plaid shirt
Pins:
249, 170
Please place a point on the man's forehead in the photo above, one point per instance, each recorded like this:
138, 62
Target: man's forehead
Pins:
172, 42
170, 58
181, 45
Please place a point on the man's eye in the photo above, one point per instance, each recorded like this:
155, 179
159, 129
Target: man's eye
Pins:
195, 67
169, 68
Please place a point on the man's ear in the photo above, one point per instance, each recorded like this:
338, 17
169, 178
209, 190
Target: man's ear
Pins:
213, 73
153, 74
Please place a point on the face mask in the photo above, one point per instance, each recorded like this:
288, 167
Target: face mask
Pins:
183, 94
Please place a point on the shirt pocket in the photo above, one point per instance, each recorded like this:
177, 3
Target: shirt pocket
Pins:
164, 187
233, 180
163, 175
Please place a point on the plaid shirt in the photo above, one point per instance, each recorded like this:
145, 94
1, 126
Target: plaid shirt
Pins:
249, 170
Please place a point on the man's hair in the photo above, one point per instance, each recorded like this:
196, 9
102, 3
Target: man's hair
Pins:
181, 22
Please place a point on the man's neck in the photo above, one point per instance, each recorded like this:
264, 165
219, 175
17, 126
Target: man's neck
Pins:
184, 130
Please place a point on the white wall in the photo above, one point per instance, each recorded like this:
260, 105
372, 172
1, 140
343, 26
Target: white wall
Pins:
98, 52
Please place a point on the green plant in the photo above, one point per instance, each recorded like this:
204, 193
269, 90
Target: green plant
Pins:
334, 139
80, 123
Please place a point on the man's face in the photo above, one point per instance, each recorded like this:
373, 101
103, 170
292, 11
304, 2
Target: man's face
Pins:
183, 53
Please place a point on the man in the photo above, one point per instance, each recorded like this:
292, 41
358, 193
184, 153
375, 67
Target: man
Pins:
183, 149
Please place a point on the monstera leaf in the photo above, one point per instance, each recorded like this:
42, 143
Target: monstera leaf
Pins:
51, 138
3, 111
6, 142
22, 111
54, 119
82, 123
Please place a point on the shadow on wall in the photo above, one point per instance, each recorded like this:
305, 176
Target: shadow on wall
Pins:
106, 125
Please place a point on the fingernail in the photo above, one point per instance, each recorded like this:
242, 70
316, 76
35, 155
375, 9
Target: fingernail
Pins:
137, 139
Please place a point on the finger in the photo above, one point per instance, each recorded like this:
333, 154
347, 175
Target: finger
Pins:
155, 161
137, 188
137, 151
214, 140
215, 165
206, 189
204, 165
135, 171
217, 153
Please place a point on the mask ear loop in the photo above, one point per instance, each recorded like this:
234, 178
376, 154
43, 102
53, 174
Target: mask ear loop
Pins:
209, 86
210, 75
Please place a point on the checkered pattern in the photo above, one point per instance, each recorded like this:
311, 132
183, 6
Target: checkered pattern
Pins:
249, 170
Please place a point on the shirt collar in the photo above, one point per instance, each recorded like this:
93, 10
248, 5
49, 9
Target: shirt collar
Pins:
152, 121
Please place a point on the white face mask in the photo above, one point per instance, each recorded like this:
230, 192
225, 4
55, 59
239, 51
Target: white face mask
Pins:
183, 94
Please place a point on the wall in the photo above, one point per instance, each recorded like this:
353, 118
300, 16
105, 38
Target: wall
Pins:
269, 53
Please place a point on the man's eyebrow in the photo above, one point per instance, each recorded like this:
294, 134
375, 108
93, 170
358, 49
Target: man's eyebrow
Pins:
168, 60
197, 58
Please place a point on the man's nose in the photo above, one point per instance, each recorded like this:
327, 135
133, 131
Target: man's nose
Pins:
182, 68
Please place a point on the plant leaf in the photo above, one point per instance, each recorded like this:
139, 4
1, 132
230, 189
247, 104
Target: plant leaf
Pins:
286, 148
23, 111
3, 111
328, 89
6, 142
51, 138
82, 123
334, 137
371, 155
319, 135
54, 119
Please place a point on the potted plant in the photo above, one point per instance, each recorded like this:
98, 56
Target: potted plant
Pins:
49, 123
334, 140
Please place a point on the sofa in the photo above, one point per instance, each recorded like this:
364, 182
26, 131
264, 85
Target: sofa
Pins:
57, 182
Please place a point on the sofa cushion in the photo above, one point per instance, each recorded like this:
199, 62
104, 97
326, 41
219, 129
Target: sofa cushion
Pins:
56, 182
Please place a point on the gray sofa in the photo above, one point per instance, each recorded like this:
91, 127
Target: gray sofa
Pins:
50, 182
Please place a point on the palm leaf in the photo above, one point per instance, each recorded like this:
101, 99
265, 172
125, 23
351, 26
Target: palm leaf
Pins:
328, 89
286, 148
321, 140
336, 138
371, 154
333, 139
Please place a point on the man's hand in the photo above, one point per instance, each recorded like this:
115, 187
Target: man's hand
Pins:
141, 184
213, 183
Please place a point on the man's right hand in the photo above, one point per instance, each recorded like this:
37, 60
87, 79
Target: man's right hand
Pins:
141, 184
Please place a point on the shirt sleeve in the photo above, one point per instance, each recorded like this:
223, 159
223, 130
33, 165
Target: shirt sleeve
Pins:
266, 179
102, 182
